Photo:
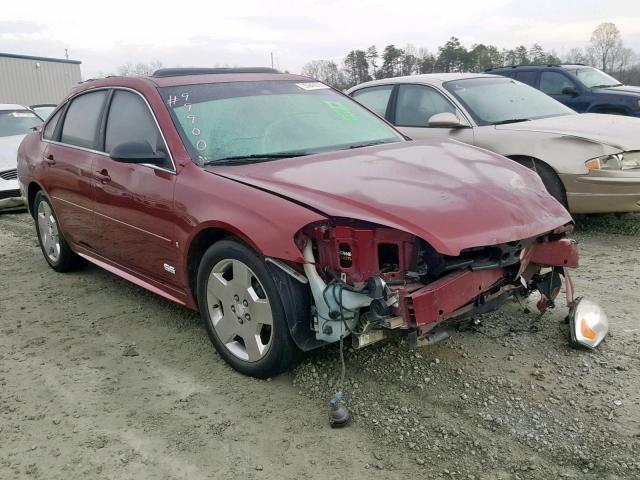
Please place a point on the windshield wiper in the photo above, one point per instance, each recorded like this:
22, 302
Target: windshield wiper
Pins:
511, 120
607, 86
254, 158
369, 144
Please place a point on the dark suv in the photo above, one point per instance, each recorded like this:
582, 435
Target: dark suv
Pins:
583, 88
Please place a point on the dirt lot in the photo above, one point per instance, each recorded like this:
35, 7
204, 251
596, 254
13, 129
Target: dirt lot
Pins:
100, 379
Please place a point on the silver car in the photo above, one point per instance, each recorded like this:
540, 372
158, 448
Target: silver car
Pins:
15, 122
589, 162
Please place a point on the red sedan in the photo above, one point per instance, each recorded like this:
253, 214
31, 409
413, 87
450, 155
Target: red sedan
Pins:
289, 215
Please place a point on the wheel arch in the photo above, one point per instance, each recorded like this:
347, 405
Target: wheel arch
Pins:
609, 108
533, 163
201, 241
32, 191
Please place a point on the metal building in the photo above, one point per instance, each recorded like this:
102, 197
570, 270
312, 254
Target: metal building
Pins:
35, 80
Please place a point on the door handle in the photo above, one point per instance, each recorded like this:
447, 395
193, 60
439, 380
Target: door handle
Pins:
50, 160
103, 176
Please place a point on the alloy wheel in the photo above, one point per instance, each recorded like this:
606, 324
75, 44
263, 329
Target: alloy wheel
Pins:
239, 309
48, 232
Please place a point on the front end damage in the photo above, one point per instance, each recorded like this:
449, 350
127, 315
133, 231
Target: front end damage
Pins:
374, 282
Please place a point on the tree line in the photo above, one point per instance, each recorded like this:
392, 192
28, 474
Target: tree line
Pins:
606, 51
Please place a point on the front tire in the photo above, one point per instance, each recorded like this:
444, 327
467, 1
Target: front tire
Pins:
551, 182
54, 247
243, 312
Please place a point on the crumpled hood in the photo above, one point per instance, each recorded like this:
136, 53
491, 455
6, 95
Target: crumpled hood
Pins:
450, 194
9, 152
614, 130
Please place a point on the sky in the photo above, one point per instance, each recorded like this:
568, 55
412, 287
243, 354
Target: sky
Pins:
244, 32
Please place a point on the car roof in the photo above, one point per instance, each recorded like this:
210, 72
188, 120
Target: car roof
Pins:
427, 78
185, 78
537, 66
12, 106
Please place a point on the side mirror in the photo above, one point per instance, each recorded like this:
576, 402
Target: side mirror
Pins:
137, 152
573, 91
445, 120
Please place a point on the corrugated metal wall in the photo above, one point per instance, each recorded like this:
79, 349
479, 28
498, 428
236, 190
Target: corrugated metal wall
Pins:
23, 81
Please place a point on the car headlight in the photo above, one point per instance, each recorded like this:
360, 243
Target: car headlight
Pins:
618, 161
588, 323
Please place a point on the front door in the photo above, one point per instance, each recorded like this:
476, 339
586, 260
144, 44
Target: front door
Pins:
561, 87
414, 105
134, 203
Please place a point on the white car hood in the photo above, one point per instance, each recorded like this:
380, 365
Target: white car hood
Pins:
614, 130
9, 152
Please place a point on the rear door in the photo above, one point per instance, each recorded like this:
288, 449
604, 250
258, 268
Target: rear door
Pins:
72, 136
134, 202
412, 107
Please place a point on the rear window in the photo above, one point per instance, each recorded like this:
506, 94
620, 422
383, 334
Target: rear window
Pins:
82, 120
17, 122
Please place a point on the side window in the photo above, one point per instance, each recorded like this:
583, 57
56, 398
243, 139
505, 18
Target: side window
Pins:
50, 129
82, 120
553, 83
130, 120
375, 98
416, 104
527, 77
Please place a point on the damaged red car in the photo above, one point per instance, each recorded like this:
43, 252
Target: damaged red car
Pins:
289, 215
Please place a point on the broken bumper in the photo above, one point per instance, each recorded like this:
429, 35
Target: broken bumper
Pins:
469, 292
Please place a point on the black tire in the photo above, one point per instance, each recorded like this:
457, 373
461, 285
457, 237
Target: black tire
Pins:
282, 352
551, 182
67, 260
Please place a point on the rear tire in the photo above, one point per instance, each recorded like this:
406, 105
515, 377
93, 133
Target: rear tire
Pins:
54, 247
243, 312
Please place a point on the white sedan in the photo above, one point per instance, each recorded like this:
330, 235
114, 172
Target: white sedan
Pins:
589, 162
15, 122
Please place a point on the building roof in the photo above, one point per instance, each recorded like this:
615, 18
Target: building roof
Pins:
12, 106
41, 59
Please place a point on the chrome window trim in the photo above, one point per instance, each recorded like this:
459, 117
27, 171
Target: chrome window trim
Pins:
98, 152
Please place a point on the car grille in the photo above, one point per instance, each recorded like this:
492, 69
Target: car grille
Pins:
9, 174
9, 194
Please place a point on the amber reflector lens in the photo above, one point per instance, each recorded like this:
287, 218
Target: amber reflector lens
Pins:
586, 331
593, 164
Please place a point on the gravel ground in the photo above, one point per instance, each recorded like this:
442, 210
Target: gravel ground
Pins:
100, 379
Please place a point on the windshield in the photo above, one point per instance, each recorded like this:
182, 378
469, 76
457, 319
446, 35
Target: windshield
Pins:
259, 121
594, 78
492, 101
17, 122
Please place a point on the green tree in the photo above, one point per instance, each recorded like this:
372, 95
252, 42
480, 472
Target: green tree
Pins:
356, 67
372, 58
452, 56
426, 61
482, 57
391, 59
